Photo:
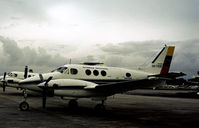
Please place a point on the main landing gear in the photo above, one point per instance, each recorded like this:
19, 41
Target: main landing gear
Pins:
24, 106
73, 104
100, 107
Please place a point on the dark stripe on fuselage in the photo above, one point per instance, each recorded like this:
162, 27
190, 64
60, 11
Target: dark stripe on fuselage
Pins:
31, 82
69, 87
103, 81
97, 81
12, 82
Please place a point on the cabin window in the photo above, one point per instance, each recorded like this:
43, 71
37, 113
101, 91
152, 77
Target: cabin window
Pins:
95, 72
128, 75
73, 71
103, 73
29, 75
88, 72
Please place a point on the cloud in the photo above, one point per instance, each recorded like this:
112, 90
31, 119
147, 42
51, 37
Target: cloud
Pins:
15, 58
130, 54
135, 54
105, 20
186, 57
33, 10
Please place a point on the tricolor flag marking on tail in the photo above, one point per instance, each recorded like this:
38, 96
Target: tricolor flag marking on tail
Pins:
162, 62
167, 61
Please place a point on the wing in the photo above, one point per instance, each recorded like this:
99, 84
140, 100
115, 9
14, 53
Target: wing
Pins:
119, 87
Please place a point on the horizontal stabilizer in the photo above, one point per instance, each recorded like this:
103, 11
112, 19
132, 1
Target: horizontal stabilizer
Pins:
169, 75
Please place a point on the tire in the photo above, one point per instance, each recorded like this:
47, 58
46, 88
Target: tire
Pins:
73, 104
100, 107
24, 106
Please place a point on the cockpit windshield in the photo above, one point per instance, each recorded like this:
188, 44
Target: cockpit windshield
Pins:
10, 74
60, 69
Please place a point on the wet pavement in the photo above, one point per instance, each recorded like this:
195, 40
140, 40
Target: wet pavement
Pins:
127, 111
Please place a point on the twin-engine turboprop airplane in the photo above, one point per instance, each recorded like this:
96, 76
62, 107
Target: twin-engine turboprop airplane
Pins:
91, 80
12, 79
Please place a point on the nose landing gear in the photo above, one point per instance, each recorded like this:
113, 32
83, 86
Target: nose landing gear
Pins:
73, 104
24, 106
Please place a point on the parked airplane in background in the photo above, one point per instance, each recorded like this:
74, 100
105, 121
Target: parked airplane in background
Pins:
195, 78
12, 79
91, 80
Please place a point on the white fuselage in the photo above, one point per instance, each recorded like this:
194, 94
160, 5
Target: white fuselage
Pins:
94, 74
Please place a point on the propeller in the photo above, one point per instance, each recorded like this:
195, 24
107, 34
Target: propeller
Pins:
4, 81
26, 72
45, 88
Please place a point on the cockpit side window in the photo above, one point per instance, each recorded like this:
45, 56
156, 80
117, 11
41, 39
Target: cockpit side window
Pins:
15, 75
10, 74
60, 69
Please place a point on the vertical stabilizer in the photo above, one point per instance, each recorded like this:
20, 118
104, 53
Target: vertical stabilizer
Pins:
167, 60
161, 63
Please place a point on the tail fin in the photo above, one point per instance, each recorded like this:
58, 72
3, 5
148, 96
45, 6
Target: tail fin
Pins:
162, 62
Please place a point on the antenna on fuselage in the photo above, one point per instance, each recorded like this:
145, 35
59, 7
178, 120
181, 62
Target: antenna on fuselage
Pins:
70, 61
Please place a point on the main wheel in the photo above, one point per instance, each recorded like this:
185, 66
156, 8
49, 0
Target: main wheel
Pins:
24, 106
73, 104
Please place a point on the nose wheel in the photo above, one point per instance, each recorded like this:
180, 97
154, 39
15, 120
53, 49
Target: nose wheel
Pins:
73, 104
24, 106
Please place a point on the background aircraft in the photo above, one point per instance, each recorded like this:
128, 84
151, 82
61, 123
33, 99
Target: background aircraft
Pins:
11, 79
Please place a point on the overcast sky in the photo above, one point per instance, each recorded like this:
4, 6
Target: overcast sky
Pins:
97, 30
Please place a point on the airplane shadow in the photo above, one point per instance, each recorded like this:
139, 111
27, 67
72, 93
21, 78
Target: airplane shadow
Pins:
144, 116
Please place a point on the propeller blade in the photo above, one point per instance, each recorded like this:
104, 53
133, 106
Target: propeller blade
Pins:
45, 89
4, 76
4, 86
44, 98
41, 77
26, 72
50, 78
4, 82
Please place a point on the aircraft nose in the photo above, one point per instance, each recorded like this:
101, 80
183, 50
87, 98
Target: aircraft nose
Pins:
41, 85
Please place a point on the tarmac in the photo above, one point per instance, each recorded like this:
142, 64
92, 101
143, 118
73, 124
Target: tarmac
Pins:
122, 111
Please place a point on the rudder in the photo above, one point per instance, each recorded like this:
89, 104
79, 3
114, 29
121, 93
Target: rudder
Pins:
161, 63
167, 61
